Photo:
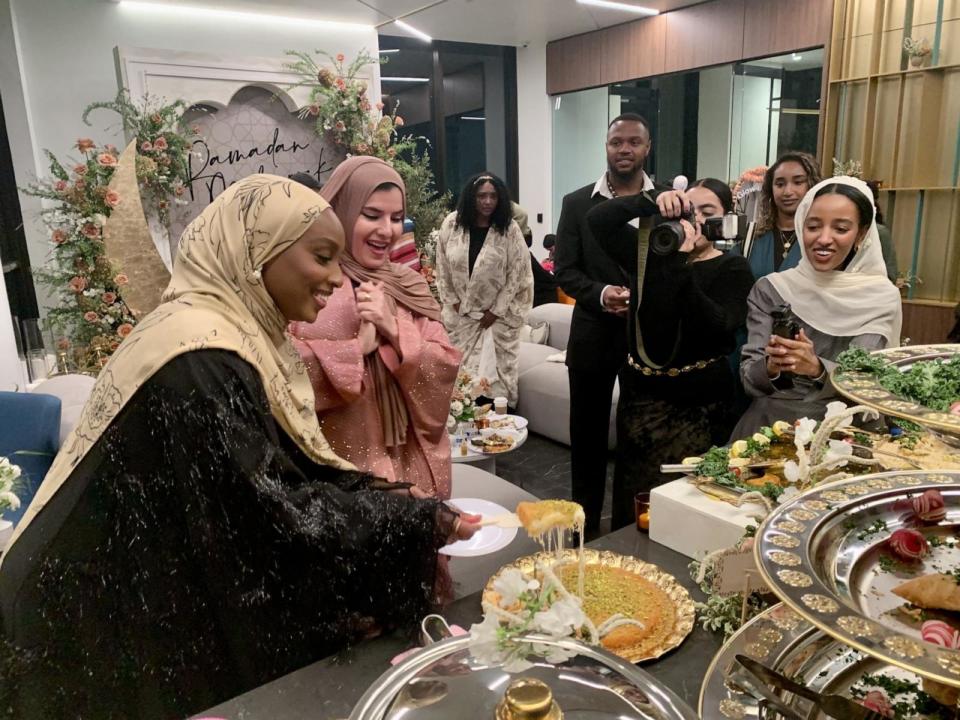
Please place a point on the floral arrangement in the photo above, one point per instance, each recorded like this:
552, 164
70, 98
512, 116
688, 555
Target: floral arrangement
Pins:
92, 316
721, 614
527, 605
853, 168
463, 406
916, 48
343, 112
9, 474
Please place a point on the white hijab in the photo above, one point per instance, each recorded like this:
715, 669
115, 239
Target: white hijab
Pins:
860, 300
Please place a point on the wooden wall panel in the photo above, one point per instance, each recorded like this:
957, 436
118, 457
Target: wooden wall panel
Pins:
633, 50
574, 63
704, 35
774, 28
926, 323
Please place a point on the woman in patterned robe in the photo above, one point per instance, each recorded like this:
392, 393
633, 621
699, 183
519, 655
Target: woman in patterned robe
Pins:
485, 281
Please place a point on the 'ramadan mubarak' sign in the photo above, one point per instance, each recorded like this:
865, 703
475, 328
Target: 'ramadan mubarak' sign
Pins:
255, 133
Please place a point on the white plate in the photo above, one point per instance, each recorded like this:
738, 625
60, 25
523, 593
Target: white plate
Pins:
488, 539
518, 422
513, 435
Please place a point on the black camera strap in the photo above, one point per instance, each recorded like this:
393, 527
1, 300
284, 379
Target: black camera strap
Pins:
643, 247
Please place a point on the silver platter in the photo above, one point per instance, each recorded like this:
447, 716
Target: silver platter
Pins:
865, 389
821, 554
785, 642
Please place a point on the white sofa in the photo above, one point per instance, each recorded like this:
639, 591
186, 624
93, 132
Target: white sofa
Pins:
544, 390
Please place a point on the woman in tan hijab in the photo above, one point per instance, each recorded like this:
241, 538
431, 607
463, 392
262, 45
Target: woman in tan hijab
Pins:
378, 356
196, 535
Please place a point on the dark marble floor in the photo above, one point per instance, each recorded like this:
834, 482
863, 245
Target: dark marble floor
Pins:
542, 467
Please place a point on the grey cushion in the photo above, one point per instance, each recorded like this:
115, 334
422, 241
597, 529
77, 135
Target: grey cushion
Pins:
530, 355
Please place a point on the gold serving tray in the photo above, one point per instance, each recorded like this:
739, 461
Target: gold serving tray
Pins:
865, 389
683, 605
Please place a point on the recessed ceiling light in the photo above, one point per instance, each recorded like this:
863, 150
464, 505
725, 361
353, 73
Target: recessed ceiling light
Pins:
471, 117
412, 30
609, 5
404, 79
197, 11
797, 57
388, 52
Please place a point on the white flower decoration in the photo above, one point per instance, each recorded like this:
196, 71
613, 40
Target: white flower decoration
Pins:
787, 495
803, 433
10, 500
791, 471
838, 450
562, 618
451, 423
511, 585
836, 409
456, 407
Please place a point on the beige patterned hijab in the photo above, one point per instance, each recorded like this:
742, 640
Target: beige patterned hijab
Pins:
216, 300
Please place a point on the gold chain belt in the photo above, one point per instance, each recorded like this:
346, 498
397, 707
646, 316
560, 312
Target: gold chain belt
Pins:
671, 372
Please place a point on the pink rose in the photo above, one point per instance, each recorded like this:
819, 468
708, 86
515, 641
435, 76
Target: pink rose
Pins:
124, 330
160, 143
78, 284
156, 119
80, 169
908, 544
85, 145
939, 633
379, 106
61, 186
90, 230
80, 184
107, 160
121, 279
928, 507
63, 344
878, 701
112, 198
340, 57
91, 316
314, 109
341, 83
109, 298
179, 190
114, 345
59, 237
339, 125
145, 146
398, 121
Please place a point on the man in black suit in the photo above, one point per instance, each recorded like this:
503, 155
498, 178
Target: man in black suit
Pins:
598, 335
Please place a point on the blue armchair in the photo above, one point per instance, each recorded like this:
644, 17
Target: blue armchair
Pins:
30, 438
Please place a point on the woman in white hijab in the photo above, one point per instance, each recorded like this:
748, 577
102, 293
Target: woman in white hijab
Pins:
840, 297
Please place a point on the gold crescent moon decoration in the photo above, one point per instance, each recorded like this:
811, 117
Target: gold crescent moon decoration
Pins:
128, 243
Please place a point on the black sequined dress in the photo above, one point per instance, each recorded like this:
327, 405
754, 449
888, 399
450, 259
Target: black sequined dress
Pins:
195, 553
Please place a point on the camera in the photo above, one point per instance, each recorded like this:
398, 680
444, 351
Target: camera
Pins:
785, 323
724, 232
667, 236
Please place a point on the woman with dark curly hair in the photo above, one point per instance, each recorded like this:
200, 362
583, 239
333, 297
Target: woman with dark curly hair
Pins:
774, 246
484, 279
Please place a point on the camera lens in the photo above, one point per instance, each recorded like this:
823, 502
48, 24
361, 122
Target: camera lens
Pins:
666, 239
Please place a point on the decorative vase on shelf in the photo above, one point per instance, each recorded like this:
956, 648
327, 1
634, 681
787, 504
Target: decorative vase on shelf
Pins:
918, 60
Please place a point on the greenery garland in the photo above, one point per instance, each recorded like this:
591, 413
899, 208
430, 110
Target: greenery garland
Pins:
342, 111
91, 318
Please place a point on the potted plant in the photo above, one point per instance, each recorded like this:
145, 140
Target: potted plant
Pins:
918, 50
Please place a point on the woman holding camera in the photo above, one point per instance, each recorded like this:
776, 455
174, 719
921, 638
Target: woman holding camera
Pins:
785, 183
838, 296
686, 301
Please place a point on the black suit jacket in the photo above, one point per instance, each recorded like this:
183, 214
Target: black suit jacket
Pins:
598, 340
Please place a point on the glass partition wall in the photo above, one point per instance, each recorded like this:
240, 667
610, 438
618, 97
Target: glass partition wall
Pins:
713, 122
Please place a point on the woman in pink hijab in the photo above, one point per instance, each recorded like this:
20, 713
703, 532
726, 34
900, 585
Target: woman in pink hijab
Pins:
379, 359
